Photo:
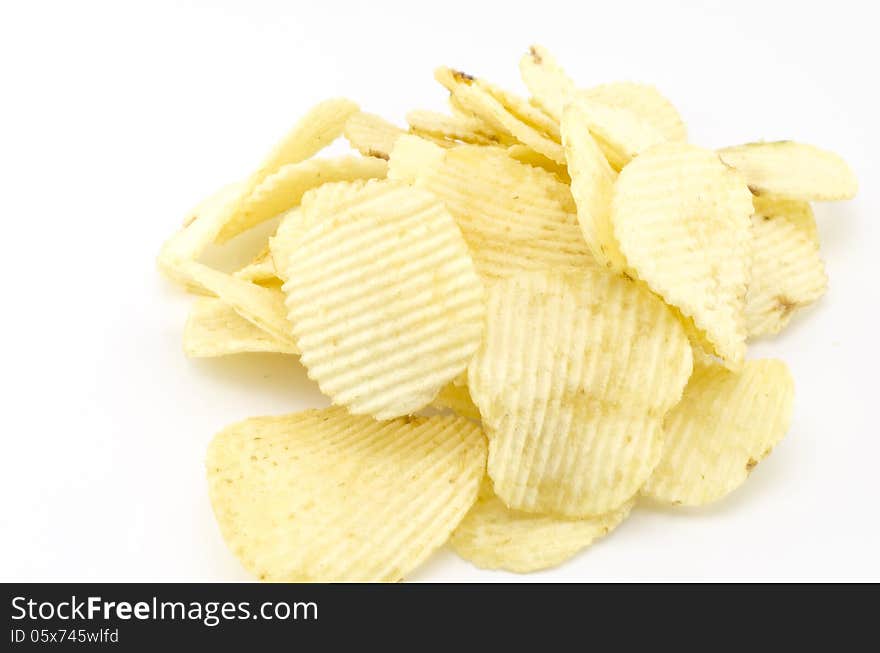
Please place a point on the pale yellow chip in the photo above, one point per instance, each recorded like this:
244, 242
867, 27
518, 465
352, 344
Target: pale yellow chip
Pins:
550, 87
412, 156
384, 299
514, 217
479, 101
457, 398
372, 135
787, 274
213, 328
262, 307
572, 379
725, 424
592, 185
793, 170
797, 212
523, 110
682, 220
493, 536
466, 129
317, 129
525, 154
261, 270
326, 496
644, 101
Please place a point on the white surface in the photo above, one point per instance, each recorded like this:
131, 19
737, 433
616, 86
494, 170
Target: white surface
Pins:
116, 120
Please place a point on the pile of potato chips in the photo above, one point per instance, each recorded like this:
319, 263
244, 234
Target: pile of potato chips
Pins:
565, 275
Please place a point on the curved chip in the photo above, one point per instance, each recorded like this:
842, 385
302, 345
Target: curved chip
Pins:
385, 302
513, 216
572, 379
261, 270
682, 219
527, 155
787, 274
455, 127
214, 329
797, 212
592, 185
793, 170
372, 135
550, 87
326, 496
644, 101
493, 536
725, 424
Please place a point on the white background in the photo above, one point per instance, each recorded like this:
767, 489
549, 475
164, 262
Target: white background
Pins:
116, 119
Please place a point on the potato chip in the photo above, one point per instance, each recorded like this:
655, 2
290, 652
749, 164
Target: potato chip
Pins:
457, 399
514, 217
326, 496
527, 155
455, 127
550, 86
385, 302
793, 170
726, 423
523, 110
476, 99
214, 329
797, 212
317, 129
493, 536
261, 270
787, 273
413, 155
644, 101
572, 379
681, 218
260, 306
592, 185
371, 135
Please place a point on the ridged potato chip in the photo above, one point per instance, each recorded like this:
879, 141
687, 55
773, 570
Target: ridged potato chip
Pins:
326, 496
550, 87
371, 135
493, 536
479, 101
725, 424
317, 129
572, 379
466, 129
525, 154
457, 398
514, 217
682, 220
412, 156
214, 329
787, 273
644, 101
797, 212
384, 299
793, 170
592, 185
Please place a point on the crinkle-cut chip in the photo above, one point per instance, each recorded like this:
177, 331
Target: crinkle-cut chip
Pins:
454, 127
525, 154
550, 87
787, 274
261, 270
592, 186
213, 328
500, 136
646, 102
477, 100
317, 129
725, 424
681, 218
620, 132
513, 216
284, 189
797, 212
262, 307
372, 135
199, 229
327, 496
793, 170
572, 379
457, 399
384, 299
493, 536
523, 110
413, 155
283, 243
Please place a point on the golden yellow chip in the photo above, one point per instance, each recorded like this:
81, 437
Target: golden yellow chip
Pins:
493, 536
726, 423
371, 135
385, 302
326, 496
262, 307
550, 86
454, 127
572, 379
457, 398
682, 220
793, 170
787, 274
213, 328
592, 185
317, 129
514, 217
477, 100
644, 101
